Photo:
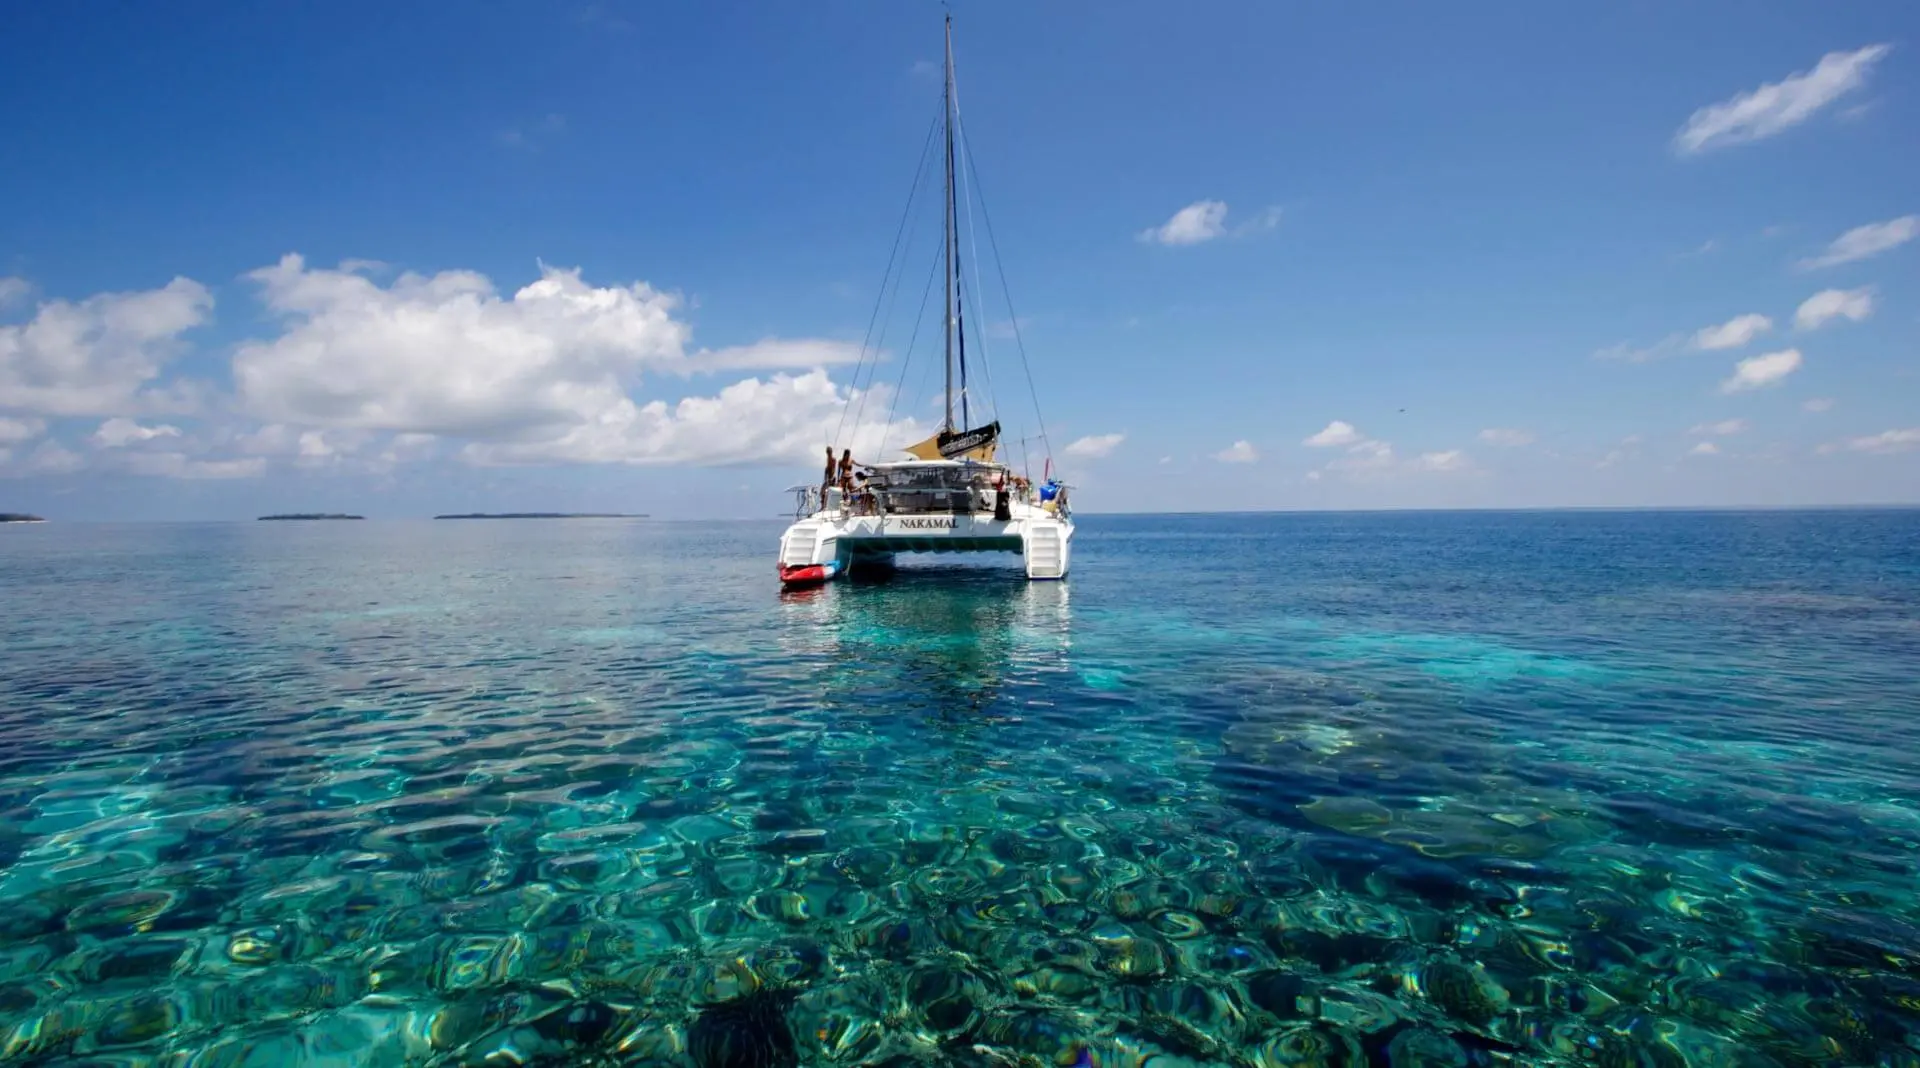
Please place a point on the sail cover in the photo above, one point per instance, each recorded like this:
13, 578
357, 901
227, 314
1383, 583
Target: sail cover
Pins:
976, 444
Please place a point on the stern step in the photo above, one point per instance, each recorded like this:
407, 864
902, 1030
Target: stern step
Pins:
1046, 552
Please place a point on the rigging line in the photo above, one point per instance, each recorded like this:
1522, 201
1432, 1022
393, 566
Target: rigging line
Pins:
899, 279
993, 244
919, 172
973, 242
918, 319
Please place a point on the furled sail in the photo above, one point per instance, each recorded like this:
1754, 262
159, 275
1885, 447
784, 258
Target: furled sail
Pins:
977, 444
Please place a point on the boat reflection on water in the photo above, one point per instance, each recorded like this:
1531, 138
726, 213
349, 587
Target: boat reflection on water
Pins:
955, 645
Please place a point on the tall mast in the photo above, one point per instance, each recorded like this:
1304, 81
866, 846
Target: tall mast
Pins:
953, 262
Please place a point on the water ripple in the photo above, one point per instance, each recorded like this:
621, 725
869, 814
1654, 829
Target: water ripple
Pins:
1406, 789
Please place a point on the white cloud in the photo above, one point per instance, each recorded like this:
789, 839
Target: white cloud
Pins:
1451, 460
101, 355
784, 418
1505, 437
1240, 452
49, 458
13, 289
1705, 448
1721, 428
1366, 455
1095, 446
1733, 333
1817, 404
1777, 106
119, 432
1829, 304
1267, 219
1888, 441
1863, 241
180, 465
1627, 353
15, 431
1337, 432
447, 354
1625, 451
1202, 220
544, 375
1757, 371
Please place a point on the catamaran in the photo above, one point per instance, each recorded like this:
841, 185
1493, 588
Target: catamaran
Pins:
951, 494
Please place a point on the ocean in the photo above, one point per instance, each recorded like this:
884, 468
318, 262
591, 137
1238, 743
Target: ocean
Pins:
1553, 788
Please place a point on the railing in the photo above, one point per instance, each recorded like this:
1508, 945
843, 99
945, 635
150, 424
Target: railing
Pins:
810, 500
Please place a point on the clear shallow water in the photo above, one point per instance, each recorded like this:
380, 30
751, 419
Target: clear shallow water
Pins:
1595, 789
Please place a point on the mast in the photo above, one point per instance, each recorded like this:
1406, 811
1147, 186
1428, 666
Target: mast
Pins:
953, 261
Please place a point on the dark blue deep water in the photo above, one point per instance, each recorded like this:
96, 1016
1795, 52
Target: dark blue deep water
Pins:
1605, 789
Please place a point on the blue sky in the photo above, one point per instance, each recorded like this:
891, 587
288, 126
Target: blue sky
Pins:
614, 257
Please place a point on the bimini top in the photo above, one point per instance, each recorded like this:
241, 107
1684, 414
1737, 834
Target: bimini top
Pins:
938, 465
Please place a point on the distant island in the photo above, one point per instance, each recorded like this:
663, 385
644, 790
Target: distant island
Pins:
542, 515
310, 515
19, 517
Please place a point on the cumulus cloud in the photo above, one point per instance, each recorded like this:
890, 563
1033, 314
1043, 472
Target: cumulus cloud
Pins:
48, 458
180, 465
1888, 441
1777, 106
1506, 437
100, 356
1240, 452
1705, 448
120, 432
447, 354
1202, 220
1732, 334
1755, 372
17, 431
1335, 433
1205, 220
1451, 460
1817, 404
1829, 304
1720, 429
1365, 456
784, 417
1095, 446
376, 371
1863, 241
1627, 352
13, 289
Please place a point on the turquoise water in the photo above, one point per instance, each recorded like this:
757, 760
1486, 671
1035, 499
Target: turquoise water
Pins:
1447, 789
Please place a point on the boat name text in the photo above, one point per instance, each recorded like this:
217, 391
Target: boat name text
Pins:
925, 523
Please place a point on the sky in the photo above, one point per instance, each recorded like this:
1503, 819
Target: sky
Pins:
598, 256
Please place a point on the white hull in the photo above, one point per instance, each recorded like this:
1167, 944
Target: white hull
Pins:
826, 544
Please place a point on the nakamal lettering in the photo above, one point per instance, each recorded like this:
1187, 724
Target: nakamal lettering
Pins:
925, 523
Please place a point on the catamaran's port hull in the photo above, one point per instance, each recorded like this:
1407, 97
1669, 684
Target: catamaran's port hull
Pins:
823, 547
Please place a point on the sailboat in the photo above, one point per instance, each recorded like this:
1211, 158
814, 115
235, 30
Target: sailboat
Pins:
951, 493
